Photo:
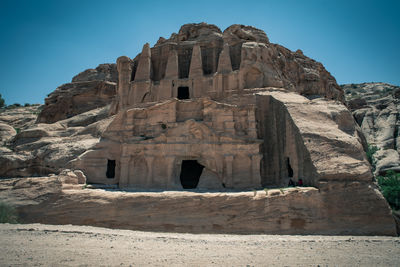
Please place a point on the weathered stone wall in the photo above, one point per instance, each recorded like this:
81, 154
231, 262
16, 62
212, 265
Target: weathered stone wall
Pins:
335, 209
283, 149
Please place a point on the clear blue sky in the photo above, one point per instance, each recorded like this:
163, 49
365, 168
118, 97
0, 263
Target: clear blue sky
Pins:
45, 43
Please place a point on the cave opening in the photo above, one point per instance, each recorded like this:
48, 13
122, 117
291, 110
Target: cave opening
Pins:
289, 168
183, 92
190, 173
110, 169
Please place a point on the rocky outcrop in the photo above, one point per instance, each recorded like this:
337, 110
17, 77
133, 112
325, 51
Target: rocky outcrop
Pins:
20, 117
333, 209
317, 138
376, 108
88, 90
45, 148
103, 72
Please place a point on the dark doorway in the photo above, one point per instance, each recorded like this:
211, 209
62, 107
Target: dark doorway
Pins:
289, 168
183, 92
190, 173
110, 169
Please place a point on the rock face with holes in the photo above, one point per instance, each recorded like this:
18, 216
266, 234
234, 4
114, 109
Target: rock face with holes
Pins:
376, 108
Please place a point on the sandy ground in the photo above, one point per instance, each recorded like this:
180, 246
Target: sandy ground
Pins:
36, 244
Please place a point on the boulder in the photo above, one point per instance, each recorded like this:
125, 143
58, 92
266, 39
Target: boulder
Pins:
6, 132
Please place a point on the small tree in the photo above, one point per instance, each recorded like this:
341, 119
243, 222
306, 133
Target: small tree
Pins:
370, 154
2, 102
390, 187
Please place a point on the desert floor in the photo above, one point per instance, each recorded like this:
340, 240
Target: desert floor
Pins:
67, 245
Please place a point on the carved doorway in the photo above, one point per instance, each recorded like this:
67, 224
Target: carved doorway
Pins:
190, 173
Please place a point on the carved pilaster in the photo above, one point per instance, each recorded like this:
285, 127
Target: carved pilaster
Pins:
149, 163
124, 171
255, 170
228, 179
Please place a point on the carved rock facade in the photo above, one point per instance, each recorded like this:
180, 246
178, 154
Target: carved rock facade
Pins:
198, 111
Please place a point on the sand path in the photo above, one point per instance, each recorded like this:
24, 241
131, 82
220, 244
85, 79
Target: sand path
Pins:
36, 244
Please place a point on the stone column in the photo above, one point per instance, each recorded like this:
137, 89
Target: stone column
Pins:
255, 170
228, 179
124, 171
149, 163
251, 117
169, 161
124, 78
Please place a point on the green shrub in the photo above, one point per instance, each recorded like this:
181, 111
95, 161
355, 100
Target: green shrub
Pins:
370, 154
2, 102
390, 187
7, 213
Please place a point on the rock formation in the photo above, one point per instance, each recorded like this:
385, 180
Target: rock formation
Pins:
303, 210
376, 108
197, 77
88, 90
206, 110
42, 149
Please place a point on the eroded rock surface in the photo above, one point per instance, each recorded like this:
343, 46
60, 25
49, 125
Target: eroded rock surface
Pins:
89, 90
334, 209
376, 108
45, 148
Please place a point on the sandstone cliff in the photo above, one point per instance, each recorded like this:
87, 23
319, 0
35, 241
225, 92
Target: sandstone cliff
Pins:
90, 89
376, 108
